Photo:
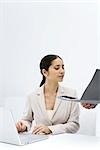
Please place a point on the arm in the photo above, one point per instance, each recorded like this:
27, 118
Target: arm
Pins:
72, 125
27, 116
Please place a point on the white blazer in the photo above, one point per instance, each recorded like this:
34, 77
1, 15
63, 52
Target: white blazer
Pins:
65, 118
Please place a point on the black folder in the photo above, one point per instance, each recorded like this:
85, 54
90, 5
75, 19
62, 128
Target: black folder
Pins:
91, 93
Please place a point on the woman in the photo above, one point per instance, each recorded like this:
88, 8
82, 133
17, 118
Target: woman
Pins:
50, 113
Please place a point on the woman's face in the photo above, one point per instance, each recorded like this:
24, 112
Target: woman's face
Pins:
56, 71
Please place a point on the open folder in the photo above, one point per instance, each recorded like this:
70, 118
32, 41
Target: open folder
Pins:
91, 93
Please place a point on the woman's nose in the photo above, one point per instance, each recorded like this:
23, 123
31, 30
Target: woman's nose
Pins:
62, 70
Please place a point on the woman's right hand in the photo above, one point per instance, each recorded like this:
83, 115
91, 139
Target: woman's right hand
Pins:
21, 127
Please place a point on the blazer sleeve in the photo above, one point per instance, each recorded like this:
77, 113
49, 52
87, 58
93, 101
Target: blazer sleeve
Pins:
72, 125
27, 116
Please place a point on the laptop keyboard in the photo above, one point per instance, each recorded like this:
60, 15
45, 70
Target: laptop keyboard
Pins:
27, 138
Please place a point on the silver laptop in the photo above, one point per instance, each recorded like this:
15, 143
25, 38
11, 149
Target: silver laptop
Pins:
9, 133
91, 93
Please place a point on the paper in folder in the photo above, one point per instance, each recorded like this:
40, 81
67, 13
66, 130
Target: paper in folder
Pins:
91, 93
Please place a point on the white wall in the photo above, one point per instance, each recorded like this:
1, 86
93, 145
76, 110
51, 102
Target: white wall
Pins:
32, 30
98, 121
1, 55
98, 31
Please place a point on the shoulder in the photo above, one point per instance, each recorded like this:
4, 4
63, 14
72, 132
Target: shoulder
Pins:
35, 92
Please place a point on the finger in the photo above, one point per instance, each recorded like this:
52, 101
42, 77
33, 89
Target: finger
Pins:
37, 127
41, 132
35, 131
92, 106
18, 127
21, 126
84, 105
87, 105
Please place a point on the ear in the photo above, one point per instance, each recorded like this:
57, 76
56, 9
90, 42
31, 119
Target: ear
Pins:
44, 72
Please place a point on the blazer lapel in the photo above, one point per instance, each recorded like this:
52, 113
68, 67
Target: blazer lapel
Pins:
58, 101
41, 103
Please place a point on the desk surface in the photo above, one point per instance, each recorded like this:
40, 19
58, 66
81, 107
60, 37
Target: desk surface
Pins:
60, 142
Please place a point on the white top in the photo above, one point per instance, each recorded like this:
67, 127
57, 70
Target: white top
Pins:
50, 113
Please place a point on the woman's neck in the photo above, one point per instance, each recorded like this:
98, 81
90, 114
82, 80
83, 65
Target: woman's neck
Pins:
50, 88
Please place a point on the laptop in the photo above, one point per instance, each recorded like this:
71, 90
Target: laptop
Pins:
92, 92
9, 133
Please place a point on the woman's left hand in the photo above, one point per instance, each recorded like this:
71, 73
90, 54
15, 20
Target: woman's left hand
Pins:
41, 129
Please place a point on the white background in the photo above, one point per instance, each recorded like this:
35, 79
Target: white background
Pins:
29, 30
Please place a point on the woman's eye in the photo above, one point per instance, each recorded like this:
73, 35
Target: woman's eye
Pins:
56, 68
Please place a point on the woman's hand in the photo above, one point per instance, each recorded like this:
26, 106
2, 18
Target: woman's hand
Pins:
41, 129
21, 127
88, 105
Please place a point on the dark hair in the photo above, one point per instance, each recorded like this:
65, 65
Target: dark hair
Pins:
46, 63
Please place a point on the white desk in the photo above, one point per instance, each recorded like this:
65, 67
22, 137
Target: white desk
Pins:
60, 142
